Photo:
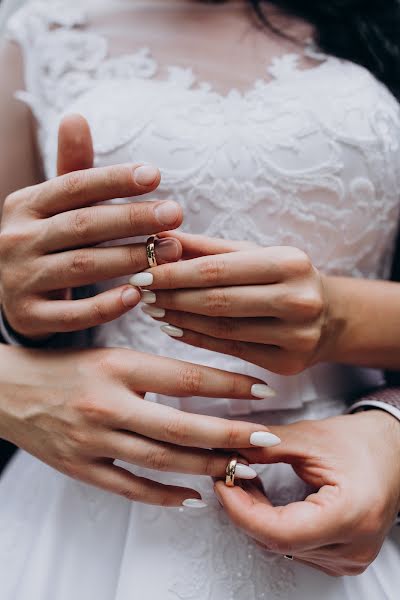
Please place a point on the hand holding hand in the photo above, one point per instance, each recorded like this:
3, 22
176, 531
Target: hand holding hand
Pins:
49, 234
353, 463
265, 305
78, 411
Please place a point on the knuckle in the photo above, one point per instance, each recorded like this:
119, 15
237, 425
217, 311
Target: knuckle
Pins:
304, 303
19, 316
83, 262
12, 203
191, 379
306, 340
176, 429
216, 302
79, 438
134, 259
232, 436
69, 466
297, 262
224, 327
211, 270
210, 466
80, 223
138, 215
92, 410
72, 184
13, 239
159, 459
99, 313
108, 362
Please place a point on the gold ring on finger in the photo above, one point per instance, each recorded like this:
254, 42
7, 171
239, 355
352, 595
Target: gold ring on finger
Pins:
230, 472
151, 251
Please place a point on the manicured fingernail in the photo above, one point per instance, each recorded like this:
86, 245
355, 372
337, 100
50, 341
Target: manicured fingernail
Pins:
194, 503
148, 297
146, 175
130, 297
141, 279
264, 439
167, 250
262, 391
172, 331
154, 311
167, 213
245, 472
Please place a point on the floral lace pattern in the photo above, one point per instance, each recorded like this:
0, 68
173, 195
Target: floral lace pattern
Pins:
309, 158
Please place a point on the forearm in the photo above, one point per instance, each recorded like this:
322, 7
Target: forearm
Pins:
8, 389
363, 322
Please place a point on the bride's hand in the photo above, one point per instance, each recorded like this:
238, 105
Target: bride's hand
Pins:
79, 410
353, 463
49, 234
267, 306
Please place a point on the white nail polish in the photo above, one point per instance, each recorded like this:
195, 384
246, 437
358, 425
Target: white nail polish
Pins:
172, 331
194, 503
245, 472
260, 390
264, 439
154, 311
148, 297
141, 279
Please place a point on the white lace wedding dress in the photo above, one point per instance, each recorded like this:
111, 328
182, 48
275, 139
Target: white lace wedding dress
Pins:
258, 138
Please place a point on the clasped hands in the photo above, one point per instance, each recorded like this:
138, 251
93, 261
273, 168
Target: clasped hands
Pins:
268, 306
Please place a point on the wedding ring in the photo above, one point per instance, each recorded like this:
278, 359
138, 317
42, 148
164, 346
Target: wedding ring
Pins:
151, 251
230, 472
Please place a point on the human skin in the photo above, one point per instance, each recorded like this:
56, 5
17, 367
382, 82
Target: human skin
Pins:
272, 307
352, 461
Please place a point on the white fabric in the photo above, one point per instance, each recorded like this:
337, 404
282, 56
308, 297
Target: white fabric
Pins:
258, 138
7, 8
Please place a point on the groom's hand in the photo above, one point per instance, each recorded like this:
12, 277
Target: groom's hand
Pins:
50, 232
352, 462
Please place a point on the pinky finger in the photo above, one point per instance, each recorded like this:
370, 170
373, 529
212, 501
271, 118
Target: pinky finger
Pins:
117, 480
267, 357
63, 316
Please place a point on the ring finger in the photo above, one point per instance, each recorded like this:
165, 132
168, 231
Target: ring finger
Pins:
160, 456
89, 265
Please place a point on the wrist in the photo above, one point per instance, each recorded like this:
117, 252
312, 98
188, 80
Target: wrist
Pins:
335, 320
362, 322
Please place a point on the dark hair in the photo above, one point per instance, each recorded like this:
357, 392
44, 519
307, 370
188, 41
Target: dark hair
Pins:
366, 32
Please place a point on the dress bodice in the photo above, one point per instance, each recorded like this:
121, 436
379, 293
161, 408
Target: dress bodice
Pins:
257, 137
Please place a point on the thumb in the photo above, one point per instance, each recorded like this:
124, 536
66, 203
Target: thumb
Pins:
75, 146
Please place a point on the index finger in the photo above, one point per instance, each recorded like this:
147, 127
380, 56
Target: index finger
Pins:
148, 373
89, 186
296, 527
